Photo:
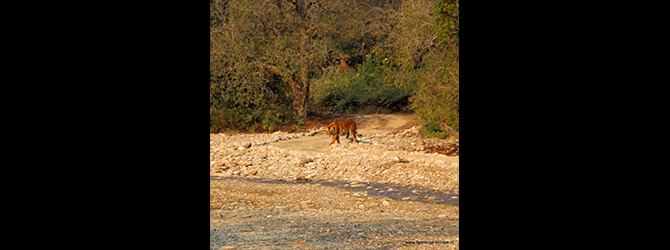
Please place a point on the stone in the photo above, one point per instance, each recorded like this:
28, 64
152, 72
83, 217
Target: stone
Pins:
297, 243
406, 198
386, 203
442, 216
309, 202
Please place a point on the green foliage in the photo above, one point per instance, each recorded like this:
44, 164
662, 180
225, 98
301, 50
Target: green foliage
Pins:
371, 85
404, 55
242, 95
431, 128
246, 118
447, 20
418, 59
439, 95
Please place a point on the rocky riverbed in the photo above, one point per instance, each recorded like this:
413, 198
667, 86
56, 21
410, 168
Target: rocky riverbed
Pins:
391, 158
392, 190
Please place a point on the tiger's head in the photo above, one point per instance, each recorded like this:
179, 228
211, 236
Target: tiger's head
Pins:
331, 129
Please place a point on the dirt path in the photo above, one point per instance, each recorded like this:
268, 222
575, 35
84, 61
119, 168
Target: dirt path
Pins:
367, 125
247, 214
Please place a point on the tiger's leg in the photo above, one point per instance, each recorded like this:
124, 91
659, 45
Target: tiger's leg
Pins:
335, 137
354, 132
347, 135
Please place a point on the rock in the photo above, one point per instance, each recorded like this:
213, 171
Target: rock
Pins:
300, 178
442, 216
216, 164
310, 176
246, 144
386, 203
298, 243
401, 160
227, 248
309, 202
406, 198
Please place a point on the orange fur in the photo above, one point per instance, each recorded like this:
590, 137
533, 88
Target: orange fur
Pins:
337, 127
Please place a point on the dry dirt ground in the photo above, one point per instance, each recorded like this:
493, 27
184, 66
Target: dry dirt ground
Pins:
247, 214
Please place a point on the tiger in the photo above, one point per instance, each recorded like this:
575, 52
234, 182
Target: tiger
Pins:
337, 127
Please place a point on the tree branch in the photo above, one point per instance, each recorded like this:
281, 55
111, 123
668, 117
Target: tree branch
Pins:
444, 127
313, 28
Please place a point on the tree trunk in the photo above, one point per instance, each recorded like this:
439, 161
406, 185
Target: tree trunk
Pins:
444, 127
301, 89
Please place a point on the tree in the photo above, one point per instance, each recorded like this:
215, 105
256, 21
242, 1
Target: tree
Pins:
292, 39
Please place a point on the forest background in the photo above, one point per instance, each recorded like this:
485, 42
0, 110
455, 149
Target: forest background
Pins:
278, 62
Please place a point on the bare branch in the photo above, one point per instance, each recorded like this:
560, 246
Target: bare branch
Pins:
444, 127
313, 28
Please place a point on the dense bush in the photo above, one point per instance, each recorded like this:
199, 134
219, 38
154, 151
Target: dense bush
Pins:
267, 57
371, 86
416, 60
438, 95
242, 96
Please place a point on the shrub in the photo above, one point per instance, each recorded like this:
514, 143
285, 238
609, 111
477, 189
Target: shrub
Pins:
374, 84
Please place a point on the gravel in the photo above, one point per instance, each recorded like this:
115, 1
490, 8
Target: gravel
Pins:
248, 215
307, 215
392, 158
